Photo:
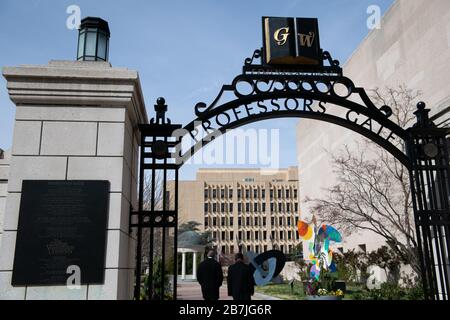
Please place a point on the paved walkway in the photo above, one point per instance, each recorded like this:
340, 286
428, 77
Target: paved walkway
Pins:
190, 290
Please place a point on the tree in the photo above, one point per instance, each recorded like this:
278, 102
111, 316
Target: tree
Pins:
373, 190
158, 186
189, 226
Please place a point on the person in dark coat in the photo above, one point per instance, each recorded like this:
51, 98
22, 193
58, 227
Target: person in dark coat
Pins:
241, 285
210, 277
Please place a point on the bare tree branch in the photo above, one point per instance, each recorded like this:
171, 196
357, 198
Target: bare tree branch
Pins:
373, 192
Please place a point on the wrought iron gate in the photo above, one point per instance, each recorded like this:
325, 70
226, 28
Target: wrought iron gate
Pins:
426, 158
156, 156
429, 176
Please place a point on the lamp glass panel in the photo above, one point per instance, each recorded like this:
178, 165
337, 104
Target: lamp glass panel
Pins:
101, 52
80, 45
91, 40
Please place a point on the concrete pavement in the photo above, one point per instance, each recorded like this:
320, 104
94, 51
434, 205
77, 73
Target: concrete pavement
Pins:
190, 290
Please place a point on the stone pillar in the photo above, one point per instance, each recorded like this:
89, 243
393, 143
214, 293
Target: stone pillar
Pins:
76, 120
194, 265
183, 266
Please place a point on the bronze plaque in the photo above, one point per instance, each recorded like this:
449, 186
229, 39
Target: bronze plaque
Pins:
61, 224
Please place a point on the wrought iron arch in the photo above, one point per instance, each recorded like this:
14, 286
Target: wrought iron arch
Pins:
294, 85
424, 153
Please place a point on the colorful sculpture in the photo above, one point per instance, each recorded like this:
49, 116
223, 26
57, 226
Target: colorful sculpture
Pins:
318, 244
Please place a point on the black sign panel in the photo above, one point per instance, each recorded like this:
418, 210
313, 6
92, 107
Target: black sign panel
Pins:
61, 224
279, 40
291, 41
308, 46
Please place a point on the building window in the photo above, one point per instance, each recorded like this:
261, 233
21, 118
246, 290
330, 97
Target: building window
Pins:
288, 207
264, 221
296, 207
206, 194
239, 221
282, 248
223, 236
222, 221
247, 221
287, 193
256, 221
206, 206
230, 193
214, 193
239, 194
289, 221
214, 207
272, 235
255, 207
271, 194
222, 207
280, 206
255, 193
256, 235
289, 235
263, 193
264, 207
231, 249
248, 235
223, 249
240, 235
247, 194
230, 206
265, 235
272, 221
248, 248
362, 247
247, 207
272, 206
295, 193
231, 235
214, 221
239, 207
280, 221
279, 193
231, 221
206, 222
222, 193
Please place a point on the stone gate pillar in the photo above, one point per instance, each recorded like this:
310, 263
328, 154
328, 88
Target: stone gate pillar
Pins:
76, 120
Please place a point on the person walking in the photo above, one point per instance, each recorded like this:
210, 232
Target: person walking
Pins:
241, 285
210, 277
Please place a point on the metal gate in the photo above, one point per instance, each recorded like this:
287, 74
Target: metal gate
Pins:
426, 158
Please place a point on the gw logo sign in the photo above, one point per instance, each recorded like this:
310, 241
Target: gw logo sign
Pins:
305, 40
291, 41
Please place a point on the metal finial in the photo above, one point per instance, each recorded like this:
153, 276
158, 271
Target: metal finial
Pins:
160, 108
421, 114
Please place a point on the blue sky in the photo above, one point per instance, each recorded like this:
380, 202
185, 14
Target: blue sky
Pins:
184, 50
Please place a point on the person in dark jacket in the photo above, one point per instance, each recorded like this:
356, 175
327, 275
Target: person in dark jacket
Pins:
241, 285
210, 277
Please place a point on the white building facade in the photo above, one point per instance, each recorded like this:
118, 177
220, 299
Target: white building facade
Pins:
411, 48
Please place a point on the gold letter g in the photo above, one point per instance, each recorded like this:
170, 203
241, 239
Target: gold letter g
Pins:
281, 35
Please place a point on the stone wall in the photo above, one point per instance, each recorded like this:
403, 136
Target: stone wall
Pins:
4, 174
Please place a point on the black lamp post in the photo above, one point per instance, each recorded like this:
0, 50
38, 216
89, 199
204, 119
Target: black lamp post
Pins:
93, 40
